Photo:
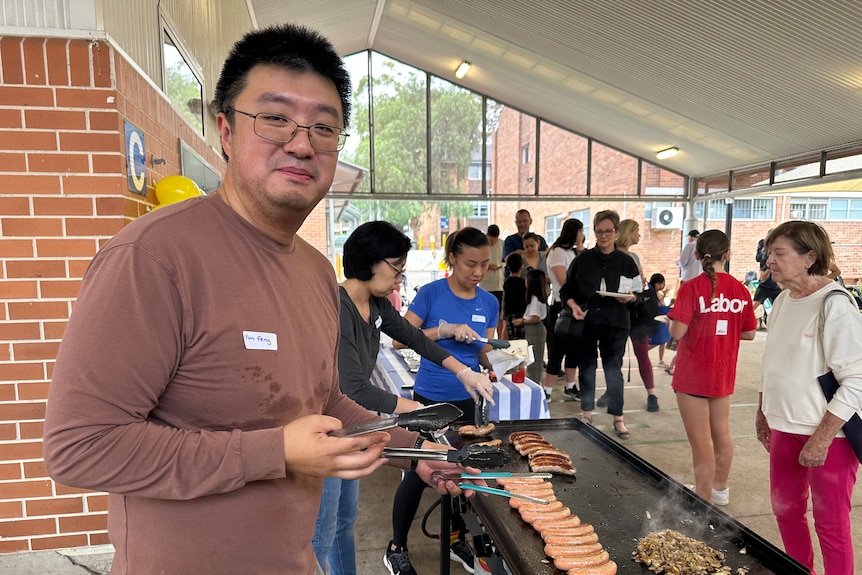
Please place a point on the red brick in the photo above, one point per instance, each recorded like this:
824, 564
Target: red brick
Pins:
26, 527
20, 411
79, 62
90, 142
5, 353
12, 331
66, 490
105, 164
20, 450
11, 509
8, 432
10, 471
29, 185
99, 538
15, 545
102, 74
35, 470
16, 249
25, 140
86, 98
7, 393
67, 163
31, 429
89, 185
35, 351
52, 289
13, 163
59, 542
94, 522
13, 206
62, 206
35, 269
26, 490
93, 227
20, 371
55, 506
33, 391
10, 118
97, 502
19, 289
26, 96
31, 227
34, 61
11, 60
48, 248
55, 54
56, 119
105, 121
37, 309
78, 267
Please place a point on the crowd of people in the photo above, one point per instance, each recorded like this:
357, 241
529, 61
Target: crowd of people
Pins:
210, 422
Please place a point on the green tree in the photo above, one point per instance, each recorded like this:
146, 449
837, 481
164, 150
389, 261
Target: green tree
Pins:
400, 151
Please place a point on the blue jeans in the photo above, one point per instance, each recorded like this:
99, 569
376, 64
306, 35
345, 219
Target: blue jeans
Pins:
333, 531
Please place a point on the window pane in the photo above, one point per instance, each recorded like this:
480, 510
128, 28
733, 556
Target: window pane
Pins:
562, 162
357, 149
400, 153
552, 228
761, 208
509, 131
855, 210
742, 209
797, 169
838, 209
622, 180
657, 181
750, 178
717, 210
182, 87
844, 160
817, 211
456, 137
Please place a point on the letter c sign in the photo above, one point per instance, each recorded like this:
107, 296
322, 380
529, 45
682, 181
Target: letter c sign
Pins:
136, 159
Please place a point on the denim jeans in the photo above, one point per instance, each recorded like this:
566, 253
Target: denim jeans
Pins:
610, 342
333, 531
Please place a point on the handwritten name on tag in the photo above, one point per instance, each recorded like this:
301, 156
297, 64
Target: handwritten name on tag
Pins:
260, 340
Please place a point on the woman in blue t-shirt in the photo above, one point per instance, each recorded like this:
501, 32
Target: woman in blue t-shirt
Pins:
455, 312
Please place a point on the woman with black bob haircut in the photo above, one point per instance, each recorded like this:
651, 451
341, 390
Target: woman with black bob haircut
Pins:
374, 259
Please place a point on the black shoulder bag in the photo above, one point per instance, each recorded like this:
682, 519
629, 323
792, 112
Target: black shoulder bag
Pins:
829, 384
567, 325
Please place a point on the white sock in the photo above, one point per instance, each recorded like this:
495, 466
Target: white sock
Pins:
570, 384
548, 389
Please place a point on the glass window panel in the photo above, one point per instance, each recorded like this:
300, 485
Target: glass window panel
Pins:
400, 153
762, 208
742, 209
855, 210
553, 224
817, 211
698, 210
182, 87
844, 160
357, 149
717, 210
562, 162
508, 132
657, 181
456, 138
622, 180
797, 169
584, 216
713, 185
838, 209
750, 178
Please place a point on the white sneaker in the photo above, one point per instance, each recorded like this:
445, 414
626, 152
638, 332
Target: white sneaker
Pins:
721, 497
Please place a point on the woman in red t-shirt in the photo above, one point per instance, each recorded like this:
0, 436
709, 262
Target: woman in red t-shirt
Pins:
713, 312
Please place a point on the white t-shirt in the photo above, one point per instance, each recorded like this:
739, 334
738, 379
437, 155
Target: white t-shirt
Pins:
558, 257
793, 401
536, 308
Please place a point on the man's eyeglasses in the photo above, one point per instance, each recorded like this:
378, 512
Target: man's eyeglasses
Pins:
399, 273
605, 232
277, 128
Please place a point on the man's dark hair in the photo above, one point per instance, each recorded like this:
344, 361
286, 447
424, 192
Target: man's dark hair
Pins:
370, 243
289, 46
514, 263
494, 231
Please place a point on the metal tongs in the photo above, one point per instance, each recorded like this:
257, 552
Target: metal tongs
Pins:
428, 418
438, 476
479, 456
481, 412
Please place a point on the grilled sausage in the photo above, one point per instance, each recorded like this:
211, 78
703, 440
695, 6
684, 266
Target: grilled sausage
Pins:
556, 541
564, 550
608, 568
530, 506
546, 523
556, 514
564, 563
518, 503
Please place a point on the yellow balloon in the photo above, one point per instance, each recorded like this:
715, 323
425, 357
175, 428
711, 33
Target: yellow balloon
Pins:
173, 189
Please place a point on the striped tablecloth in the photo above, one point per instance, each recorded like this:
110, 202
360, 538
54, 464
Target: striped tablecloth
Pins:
513, 400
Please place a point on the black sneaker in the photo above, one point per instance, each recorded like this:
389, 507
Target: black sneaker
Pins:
651, 403
571, 394
397, 562
602, 401
460, 551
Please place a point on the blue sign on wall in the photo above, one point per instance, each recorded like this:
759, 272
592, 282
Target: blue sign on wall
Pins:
136, 159
444, 223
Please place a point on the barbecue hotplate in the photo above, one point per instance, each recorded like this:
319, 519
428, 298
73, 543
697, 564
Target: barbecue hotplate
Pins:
624, 498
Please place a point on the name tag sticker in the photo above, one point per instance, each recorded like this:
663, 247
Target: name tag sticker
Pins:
260, 340
479, 318
721, 327
378, 322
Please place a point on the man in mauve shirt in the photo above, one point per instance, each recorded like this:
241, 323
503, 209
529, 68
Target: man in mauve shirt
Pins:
197, 380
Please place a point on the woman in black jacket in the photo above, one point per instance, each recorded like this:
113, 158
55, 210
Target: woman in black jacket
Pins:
607, 270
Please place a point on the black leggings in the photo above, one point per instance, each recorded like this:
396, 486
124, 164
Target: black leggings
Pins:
408, 496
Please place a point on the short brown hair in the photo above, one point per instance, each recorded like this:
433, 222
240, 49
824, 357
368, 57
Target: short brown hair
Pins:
806, 237
607, 215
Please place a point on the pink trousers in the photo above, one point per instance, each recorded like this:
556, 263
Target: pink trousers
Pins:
830, 486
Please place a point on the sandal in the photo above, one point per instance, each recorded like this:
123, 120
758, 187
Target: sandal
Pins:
621, 433
588, 419
668, 370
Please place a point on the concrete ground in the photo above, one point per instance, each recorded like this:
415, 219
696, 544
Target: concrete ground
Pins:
657, 437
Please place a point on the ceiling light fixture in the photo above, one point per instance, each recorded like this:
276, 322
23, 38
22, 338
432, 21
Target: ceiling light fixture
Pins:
667, 153
462, 69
